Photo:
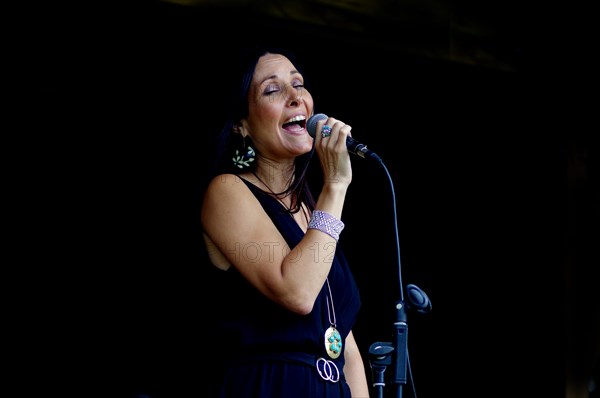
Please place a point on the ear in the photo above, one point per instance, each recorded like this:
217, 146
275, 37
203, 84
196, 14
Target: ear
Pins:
239, 128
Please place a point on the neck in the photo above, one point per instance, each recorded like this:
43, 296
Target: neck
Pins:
276, 176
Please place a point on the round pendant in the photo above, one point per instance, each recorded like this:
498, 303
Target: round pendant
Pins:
333, 342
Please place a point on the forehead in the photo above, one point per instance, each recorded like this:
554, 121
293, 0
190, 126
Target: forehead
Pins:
273, 65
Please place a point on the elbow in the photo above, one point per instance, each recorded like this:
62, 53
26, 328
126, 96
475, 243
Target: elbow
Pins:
304, 308
300, 305
297, 298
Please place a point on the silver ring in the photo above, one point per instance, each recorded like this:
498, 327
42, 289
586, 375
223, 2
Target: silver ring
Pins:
326, 131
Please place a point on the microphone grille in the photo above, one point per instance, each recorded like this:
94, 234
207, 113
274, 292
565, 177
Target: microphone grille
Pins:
311, 124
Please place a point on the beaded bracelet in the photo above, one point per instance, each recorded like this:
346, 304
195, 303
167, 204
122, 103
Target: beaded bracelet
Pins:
327, 223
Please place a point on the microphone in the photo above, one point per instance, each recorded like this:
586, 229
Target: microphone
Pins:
354, 147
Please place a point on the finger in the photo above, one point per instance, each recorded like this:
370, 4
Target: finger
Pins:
319, 134
344, 132
325, 130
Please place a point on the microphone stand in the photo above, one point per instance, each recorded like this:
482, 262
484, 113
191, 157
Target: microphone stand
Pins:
383, 354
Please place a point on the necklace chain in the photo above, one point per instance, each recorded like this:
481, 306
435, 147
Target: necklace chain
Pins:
330, 298
270, 190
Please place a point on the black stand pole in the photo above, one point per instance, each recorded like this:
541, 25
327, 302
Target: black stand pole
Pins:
400, 353
380, 358
383, 354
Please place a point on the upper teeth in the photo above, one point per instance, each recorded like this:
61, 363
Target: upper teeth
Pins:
296, 119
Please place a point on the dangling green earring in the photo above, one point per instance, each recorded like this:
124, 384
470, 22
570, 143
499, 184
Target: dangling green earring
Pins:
246, 158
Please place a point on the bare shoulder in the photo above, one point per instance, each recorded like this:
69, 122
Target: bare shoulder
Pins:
227, 196
226, 187
232, 217
225, 183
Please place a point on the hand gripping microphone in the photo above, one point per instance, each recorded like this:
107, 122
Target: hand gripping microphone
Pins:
353, 146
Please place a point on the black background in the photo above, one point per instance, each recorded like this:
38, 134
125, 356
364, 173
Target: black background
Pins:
123, 101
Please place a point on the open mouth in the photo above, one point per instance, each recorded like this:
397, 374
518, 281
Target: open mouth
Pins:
295, 124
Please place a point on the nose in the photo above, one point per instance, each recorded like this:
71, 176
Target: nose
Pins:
294, 95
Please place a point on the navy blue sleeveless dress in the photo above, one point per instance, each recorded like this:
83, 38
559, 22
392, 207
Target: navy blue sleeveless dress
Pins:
268, 352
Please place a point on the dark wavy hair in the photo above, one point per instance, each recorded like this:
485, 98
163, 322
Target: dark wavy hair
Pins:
237, 102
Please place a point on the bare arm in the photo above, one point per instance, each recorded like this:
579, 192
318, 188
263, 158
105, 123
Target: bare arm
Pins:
355, 369
240, 233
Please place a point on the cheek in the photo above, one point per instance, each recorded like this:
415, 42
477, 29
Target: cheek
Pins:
263, 116
307, 98
265, 111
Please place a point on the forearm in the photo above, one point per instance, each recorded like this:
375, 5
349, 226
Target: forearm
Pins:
354, 369
308, 263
